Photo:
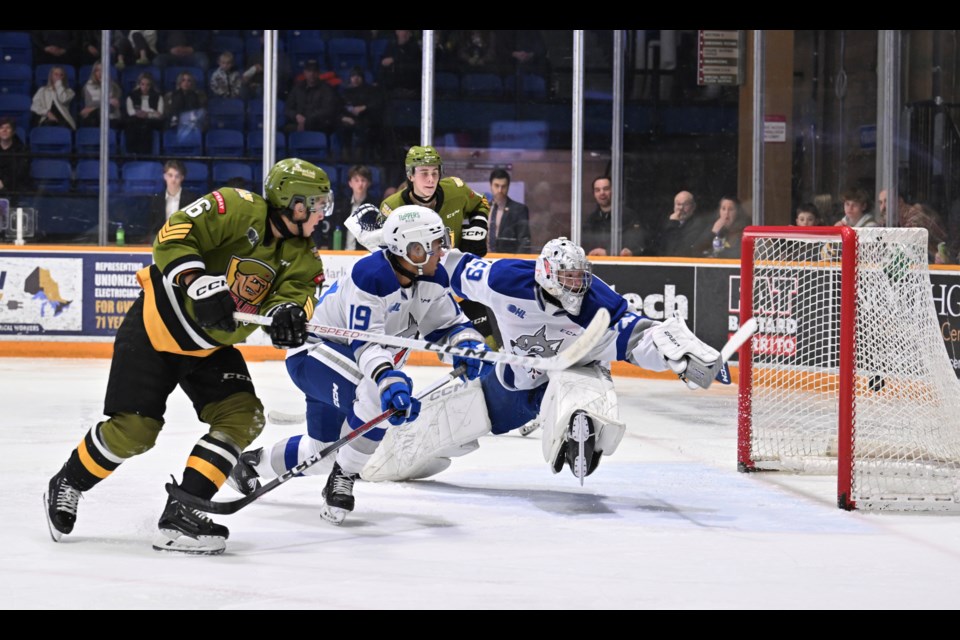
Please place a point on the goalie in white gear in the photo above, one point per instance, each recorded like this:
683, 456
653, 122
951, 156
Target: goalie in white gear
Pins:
541, 306
401, 290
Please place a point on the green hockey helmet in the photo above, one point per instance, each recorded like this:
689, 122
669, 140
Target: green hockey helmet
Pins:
419, 156
293, 180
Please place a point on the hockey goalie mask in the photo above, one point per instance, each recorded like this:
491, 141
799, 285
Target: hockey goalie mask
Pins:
415, 233
564, 272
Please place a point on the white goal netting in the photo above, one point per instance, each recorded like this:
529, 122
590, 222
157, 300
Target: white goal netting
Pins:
880, 407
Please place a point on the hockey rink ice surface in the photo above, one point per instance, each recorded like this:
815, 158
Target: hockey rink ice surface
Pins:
665, 523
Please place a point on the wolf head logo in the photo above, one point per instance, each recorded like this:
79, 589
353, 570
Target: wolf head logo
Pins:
537, 344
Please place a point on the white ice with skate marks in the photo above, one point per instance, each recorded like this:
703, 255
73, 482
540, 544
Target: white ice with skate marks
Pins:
666, 522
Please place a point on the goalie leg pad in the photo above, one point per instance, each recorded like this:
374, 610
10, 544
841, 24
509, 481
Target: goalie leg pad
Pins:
586, 390
450, 422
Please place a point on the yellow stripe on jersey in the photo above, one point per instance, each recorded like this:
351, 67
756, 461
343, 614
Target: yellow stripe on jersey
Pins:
174, 231
160, 336
309, 308
89, 463
207, 470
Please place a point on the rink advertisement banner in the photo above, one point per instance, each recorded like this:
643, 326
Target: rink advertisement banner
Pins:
66, 294
54, 295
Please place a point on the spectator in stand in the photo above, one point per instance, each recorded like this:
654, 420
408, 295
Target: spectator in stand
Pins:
141, 47
313, 105
509, 219
253, 75
476, 51
808, 216
186, 105
362, 120
722, 240
51, 102
174, 198
828, 213
184, 48
359, 179
56, 47
902, 208
14, 162
226, 82
596, 235
856, 209
145, 109
92, 90
401, 64
684, 229
922, 216
522, 51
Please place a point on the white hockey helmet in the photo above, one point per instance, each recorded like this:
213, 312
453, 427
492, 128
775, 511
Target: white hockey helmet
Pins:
564, 272
409, 232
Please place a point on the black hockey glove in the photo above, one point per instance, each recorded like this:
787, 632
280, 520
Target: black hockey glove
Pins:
289, 326
212, 303
474, 240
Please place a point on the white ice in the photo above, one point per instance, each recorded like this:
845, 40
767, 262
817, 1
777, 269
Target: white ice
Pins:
667, 522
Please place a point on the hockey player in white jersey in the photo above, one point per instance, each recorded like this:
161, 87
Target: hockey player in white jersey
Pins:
402, 290
541, 306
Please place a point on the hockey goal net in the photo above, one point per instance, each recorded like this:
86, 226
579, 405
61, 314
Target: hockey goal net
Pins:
848, 372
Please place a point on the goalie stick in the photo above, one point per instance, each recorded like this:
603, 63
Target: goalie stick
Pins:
703, 373
232, 506
570, 356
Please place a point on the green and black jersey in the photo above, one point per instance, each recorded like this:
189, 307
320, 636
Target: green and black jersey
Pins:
460, 207
225, 232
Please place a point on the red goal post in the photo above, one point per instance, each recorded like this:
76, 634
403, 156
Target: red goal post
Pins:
848, 373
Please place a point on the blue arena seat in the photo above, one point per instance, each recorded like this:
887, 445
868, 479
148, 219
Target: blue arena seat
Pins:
88, 140
51, 175
224, 171
226, 113
198, 176
309, 145
57, 140
17, 106
225, 142
255, 144
183, 144
16, 47
142, 177
344, 53
88, 176
16, 78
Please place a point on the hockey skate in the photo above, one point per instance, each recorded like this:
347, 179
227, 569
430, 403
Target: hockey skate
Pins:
580, 450
338, 495
187, 530
244, 477
530, 427
60, 505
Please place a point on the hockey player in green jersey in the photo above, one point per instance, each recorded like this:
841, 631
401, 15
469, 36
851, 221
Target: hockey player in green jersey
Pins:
229, 250
464, 211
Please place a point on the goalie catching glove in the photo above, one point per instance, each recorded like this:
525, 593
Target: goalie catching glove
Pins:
212, 302
289, 326
677, 344
396, 392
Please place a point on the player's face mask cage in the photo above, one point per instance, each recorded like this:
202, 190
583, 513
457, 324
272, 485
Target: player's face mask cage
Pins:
563, 271
419, 252
314, 203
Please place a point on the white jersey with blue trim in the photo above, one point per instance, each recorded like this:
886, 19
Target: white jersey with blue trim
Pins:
531, 325
371, 299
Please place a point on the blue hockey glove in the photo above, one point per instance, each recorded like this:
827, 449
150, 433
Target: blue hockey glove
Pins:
396, 392
289, 326
212, 303
475, 368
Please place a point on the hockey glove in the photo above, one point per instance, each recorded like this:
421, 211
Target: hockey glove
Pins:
396, 392
474, 240
212, 302
677, 344
289, 326
474, 368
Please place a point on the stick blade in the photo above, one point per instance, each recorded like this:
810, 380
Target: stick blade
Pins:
208, 506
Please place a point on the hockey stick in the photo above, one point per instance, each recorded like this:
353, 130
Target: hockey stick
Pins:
570, 356
703, 373
232, 506
282, 417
